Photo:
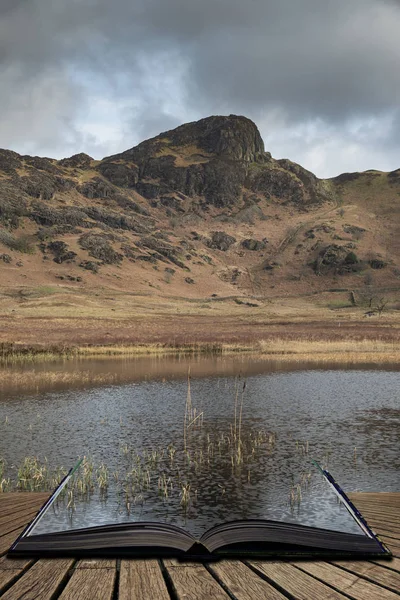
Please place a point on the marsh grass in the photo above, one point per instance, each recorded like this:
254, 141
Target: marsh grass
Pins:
351, 351
33, 379
309, 350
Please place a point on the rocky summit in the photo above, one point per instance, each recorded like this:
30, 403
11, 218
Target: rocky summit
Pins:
201, 210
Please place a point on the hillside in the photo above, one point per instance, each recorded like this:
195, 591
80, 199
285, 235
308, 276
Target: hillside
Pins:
199, 213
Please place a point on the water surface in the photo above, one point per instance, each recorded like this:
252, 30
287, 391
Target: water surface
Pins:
346, 419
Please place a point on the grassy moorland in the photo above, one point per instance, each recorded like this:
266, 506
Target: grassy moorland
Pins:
289, 330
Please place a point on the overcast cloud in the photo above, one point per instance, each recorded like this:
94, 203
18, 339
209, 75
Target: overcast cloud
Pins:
320, 78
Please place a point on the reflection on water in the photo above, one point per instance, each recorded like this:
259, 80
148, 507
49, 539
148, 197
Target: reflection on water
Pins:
347, 420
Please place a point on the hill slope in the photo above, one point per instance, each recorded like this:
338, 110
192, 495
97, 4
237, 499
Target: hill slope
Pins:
195, 212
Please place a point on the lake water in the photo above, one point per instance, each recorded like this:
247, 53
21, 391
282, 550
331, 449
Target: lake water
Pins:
348, 420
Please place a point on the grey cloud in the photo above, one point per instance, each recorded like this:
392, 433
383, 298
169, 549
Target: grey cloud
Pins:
329, 59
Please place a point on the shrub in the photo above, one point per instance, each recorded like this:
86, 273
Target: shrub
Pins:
21, 244
89, 266
351, 258
61, 252
98, 246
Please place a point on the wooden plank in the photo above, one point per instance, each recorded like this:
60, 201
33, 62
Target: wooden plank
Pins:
17, 500
140, 579
7, 577
23, 496
393, 531
194, 582
381, 515
298, 584
393, 564
5, 518
11, 570
376, 523
90, 584
371, 516
376, 499
374, 572
9, 509
343, 581
386, 497
15, 496
42, 580
390, 511
97, 563
242, 582
14, 563
381, 532
8, 539
392, 544
12, 524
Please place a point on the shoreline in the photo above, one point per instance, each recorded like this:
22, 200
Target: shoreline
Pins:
297, 349
38, 368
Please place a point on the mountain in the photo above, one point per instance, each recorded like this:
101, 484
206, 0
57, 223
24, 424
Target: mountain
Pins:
199, 211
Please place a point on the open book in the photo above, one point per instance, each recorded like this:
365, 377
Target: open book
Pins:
251, 538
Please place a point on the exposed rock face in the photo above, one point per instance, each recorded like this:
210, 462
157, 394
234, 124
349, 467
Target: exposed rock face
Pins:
13, 205
44, 186
42, 164
215, 151
9, 161
125, 176
77, 161
233, 137
96, 188
214, 158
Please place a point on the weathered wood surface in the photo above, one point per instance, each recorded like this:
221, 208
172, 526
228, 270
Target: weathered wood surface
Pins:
164, 580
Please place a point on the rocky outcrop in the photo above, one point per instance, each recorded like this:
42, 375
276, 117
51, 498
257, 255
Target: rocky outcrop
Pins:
220, 241
353, 230
9, 161
252, 244
43, 186
41, 164
46, 215
13, 205
96, 188
61, 252
98, 246
163, 250
77, 161
214, 160
121, 175
234, 137
336, 259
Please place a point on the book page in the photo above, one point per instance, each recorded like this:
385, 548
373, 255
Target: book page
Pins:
313, 503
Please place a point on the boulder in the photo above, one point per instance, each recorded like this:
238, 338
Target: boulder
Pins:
220, 241
252, 244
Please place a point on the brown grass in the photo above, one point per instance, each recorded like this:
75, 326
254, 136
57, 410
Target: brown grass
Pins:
343, 351
39, 379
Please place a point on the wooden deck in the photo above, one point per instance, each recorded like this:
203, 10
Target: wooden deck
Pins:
163, 580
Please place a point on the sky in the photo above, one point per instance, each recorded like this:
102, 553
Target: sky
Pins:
320, 78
